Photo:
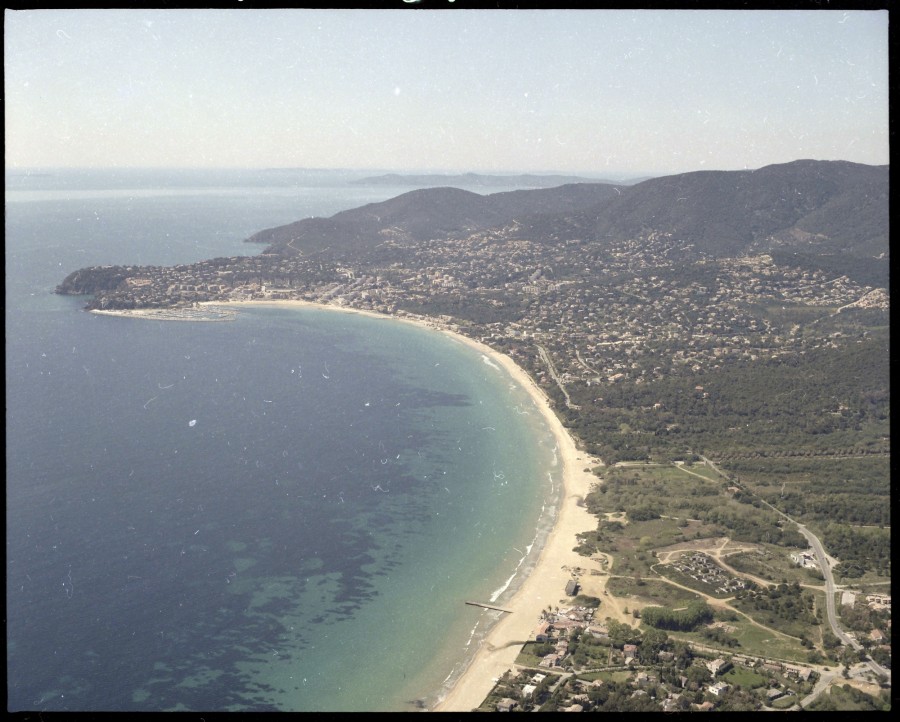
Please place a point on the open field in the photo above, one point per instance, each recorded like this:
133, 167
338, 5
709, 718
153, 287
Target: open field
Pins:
754, 640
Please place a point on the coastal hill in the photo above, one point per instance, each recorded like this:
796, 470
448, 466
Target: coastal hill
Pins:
527, 180
831, 215
826, 206
427, 213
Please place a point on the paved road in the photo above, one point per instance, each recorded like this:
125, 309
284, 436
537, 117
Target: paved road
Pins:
829, 587
545, 357
821, 683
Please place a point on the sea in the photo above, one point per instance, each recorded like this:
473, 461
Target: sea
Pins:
283, 512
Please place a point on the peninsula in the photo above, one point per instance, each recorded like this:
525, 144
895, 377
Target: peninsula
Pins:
720, 341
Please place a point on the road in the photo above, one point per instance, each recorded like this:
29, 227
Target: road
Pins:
545, 357
825, 678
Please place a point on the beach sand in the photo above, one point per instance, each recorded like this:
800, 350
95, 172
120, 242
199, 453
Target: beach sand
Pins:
547, 582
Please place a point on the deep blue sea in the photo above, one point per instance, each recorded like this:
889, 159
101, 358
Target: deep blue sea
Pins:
283, 512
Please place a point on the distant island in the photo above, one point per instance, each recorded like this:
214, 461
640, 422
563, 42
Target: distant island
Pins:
525, 180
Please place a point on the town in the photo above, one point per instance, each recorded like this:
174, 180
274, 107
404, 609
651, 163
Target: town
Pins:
602, 314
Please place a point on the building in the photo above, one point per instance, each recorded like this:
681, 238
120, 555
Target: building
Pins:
806, 559
551, 660
719, 688
599, 632
717, 666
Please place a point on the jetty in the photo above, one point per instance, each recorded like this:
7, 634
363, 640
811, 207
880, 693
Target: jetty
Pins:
489, 606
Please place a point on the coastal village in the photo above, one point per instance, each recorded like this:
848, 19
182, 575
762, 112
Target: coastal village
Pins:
655, 671
594, 329
573, 662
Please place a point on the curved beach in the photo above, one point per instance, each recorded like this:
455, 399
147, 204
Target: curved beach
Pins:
546, 583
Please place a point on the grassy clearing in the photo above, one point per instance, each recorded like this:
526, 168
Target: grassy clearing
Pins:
773, 564
753, 641
613, 676
651, 591
794, 621
701, 470
527, 657
689, 508
747, 678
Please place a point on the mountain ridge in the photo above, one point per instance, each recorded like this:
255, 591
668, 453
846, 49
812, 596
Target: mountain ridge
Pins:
734, 211
426, 213
829, 209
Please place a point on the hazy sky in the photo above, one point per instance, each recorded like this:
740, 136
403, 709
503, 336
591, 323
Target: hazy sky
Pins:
593, 91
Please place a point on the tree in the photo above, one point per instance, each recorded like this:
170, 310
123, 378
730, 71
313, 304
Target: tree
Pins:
652, 643
698, 674
621, 634
683, 655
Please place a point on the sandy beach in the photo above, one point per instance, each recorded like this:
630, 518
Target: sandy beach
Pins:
546, 583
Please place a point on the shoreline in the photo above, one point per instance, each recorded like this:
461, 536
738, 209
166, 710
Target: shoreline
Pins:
545, 584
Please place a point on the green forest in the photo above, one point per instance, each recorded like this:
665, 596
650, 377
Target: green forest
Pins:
828, 401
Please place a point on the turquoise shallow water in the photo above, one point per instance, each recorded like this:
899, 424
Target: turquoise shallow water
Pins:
307, 543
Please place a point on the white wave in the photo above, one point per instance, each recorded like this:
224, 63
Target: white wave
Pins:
471, 636
496, 594
489, 362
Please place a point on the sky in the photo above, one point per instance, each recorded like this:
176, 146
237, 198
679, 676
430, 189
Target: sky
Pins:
596, 92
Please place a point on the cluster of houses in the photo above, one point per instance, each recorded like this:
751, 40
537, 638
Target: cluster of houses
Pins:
556, 628
875, 602
775, 670
599, 331
674, 695
702, 568
613, 326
